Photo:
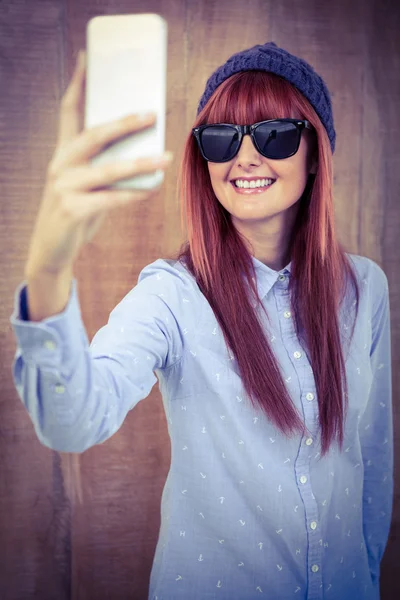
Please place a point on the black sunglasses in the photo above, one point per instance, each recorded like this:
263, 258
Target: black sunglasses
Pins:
276, 138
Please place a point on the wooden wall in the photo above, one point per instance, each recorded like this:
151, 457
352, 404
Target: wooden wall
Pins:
50, 547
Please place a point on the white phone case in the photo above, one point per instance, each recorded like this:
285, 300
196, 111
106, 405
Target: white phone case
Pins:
126, 73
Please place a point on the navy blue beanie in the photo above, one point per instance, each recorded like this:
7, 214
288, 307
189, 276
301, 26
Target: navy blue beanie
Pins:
269, 57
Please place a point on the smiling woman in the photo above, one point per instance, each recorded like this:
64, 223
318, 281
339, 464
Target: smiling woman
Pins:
292, 220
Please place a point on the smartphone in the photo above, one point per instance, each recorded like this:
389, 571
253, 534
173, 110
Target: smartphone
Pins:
126, 66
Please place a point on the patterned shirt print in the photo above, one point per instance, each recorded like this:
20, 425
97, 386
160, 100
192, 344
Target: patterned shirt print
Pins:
246, 513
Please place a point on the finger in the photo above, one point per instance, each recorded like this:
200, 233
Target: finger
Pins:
71, 103
92, 141
94, 204
86, 178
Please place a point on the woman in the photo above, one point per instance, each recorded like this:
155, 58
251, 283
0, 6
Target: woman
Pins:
271, 345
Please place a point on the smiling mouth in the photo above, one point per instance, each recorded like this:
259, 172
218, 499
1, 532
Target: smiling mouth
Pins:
252, 190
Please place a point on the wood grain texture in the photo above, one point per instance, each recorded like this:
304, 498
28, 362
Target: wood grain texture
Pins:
52, 546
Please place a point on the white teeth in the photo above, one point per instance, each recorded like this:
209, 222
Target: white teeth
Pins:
242, 183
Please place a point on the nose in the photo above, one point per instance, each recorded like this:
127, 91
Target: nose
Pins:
248, 154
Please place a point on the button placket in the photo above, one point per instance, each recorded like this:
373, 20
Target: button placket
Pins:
302, 463
306, 450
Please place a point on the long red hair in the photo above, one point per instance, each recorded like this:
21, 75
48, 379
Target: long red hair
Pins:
217, 256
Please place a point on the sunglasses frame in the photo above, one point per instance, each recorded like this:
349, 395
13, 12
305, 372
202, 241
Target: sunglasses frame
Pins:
249, 129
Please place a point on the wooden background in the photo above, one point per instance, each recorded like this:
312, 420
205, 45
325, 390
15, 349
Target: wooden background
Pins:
50, 548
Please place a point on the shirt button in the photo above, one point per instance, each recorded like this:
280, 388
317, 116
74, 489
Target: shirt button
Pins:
303, 479
313, 525
60, 389
315, 568
49, 344
310, 396
309, 441
281, 277
287, 314
297, 354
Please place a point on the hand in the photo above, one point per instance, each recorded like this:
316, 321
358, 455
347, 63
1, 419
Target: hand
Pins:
76, 199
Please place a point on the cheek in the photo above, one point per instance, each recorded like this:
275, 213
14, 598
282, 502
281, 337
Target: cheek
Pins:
218, 175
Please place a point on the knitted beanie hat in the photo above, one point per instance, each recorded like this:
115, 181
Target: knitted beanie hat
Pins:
269, 57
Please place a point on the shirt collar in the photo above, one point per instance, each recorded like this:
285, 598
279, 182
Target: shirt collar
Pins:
266, 277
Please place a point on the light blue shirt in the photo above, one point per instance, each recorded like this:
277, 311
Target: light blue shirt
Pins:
246, 512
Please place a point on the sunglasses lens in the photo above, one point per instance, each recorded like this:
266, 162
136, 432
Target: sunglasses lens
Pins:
219, 142
277, 139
